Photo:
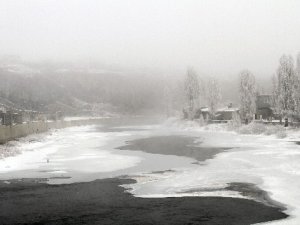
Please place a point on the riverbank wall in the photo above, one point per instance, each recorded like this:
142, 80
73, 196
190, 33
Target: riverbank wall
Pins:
8, 133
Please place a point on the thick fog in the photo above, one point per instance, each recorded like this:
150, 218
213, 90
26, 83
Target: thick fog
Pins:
215, 37
133, 55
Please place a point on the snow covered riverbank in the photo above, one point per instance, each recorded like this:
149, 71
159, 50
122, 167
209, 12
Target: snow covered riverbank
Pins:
62, 152
271, 163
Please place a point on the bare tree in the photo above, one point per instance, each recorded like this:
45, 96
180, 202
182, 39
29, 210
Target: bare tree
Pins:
247, 94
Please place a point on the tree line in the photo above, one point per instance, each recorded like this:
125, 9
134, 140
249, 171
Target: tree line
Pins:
285, 96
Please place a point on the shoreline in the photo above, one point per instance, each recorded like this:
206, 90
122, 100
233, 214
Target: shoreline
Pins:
9, 133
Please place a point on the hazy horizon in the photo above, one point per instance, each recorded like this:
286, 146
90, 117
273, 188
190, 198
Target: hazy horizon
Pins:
214, 37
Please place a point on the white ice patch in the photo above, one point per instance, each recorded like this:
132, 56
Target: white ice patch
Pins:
224, 194
84, 118
57, 172
68, 150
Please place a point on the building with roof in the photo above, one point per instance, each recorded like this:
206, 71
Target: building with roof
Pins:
227, 113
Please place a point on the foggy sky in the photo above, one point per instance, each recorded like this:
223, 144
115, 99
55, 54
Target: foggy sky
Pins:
215, 37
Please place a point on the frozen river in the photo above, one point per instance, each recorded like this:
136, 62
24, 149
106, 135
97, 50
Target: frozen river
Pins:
166, 161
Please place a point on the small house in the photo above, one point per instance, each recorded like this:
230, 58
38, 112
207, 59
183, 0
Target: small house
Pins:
202, 112
7, 118
205, 113
226, 114
26, 115
17, 117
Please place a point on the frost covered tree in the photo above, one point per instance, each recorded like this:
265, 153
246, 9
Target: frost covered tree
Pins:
287, 87
275, 95
247, 94
167, 101
213, 95
202, 101
192, 89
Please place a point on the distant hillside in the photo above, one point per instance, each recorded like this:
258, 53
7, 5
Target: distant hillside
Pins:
39, 87
79, 88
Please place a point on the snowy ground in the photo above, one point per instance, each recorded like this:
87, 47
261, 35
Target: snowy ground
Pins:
63, 152
271, 163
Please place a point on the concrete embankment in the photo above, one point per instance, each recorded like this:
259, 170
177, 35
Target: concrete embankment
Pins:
8, 133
